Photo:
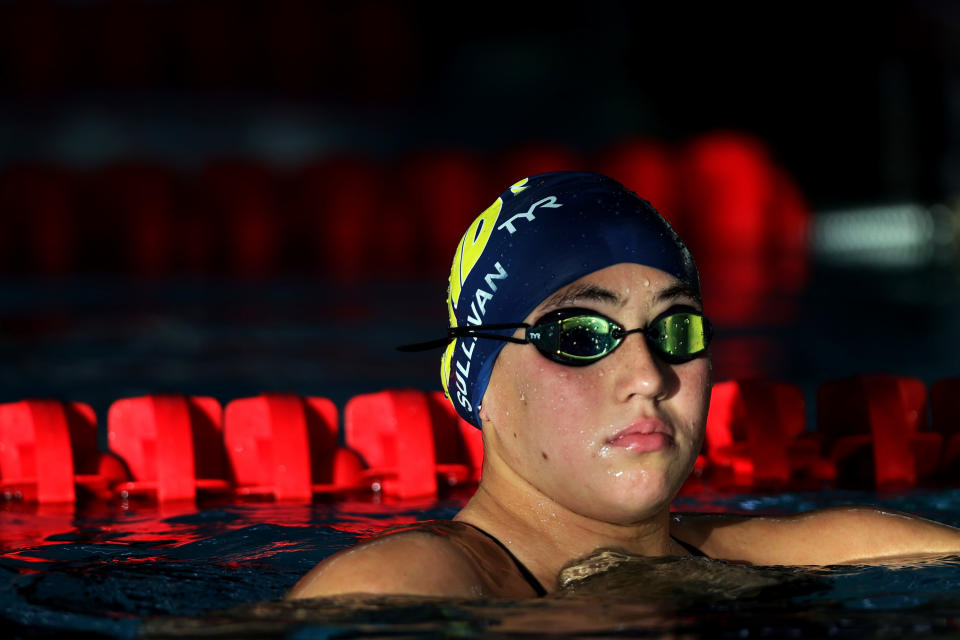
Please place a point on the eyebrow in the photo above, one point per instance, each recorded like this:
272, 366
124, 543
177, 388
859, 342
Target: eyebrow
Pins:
679, 290
582, 292
599, 294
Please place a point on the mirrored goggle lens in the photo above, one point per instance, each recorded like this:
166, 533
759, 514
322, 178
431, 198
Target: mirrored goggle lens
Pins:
680, 335
575, 339
586, 337
582, 339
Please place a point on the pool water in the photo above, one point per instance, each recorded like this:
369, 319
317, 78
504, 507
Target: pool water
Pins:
128, 571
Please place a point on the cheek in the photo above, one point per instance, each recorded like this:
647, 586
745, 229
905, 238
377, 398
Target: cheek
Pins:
558, 405
694, 394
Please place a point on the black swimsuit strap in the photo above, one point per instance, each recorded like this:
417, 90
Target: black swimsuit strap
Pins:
532, 579
524, 572
689, 547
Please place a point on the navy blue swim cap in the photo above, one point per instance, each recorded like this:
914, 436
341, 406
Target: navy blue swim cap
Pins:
543, 233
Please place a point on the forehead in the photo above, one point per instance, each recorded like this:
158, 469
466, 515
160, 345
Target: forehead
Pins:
620, 284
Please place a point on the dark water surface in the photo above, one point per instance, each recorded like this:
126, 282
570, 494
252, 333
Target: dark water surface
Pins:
220, 571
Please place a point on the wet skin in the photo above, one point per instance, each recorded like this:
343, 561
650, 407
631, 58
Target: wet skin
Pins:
612, 441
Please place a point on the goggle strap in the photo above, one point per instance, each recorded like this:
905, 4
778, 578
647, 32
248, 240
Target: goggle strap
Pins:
475, 331
424, 346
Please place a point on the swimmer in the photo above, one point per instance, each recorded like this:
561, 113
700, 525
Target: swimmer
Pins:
579, 346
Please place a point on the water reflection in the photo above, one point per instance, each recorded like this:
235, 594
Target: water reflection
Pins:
613, 593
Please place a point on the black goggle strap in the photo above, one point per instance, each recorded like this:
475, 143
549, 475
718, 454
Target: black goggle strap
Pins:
469, 331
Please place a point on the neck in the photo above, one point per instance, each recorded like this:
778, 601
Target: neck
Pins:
544, 535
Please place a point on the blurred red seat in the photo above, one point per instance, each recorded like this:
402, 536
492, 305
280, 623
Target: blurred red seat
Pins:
646, 168
871, 425
746, 357
789, 238
172, 445
945, 418
338, 203
756, 436
407, 438
242, 198
285, 446
38, 229
728, 187
442, 191
136, 203
48, 449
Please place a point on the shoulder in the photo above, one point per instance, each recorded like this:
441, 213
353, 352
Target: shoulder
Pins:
426, 559
835, 535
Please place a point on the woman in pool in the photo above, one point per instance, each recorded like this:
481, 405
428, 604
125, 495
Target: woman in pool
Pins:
578, 344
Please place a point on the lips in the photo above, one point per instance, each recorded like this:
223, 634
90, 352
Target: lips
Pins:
644, 435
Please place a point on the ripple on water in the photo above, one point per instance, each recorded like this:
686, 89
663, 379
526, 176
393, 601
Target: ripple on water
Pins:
221, 572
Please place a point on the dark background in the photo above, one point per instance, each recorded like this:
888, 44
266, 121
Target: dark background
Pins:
859, 104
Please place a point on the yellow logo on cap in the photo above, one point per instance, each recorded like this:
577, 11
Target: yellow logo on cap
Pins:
445, 362
468, 253
471, 247
519, 186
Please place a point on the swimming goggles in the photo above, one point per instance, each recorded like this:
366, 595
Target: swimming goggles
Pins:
579, 337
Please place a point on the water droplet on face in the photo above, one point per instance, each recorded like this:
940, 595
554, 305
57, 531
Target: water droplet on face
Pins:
646, 282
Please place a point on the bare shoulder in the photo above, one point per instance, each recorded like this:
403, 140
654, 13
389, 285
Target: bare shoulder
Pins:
835, 535
415, 562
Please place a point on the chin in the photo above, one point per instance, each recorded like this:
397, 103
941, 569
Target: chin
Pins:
633, 499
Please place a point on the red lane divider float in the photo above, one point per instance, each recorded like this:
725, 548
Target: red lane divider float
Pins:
872, 428
408, 438
756, 437
285, 446
172, 445
872, 433
48, 452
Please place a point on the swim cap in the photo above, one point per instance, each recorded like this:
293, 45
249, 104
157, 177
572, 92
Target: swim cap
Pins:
543, 233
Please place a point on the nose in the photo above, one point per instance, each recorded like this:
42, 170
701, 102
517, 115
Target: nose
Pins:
639, 372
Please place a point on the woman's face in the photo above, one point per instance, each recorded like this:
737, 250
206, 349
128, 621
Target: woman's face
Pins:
613, 440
